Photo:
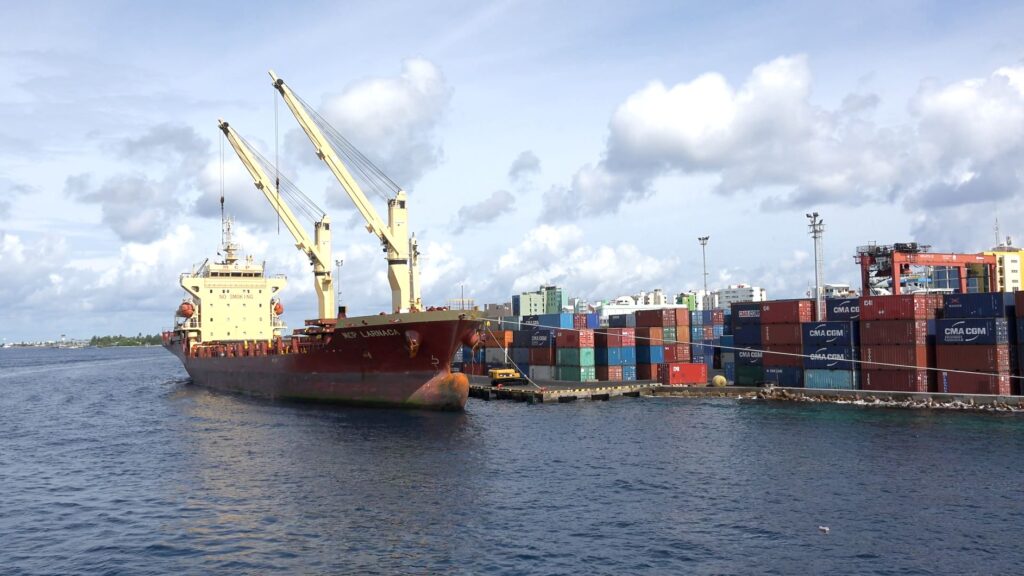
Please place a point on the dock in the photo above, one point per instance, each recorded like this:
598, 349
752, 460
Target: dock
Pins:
558, 391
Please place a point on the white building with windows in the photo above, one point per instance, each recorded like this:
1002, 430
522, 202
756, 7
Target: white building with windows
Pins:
738, 293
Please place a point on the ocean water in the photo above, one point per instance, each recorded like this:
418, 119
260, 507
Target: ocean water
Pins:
112, 463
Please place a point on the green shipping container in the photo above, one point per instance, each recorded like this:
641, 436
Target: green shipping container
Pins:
577, 373
575, 357
749, 375
669, 335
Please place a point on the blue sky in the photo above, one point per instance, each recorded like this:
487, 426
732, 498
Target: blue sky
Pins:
587, 144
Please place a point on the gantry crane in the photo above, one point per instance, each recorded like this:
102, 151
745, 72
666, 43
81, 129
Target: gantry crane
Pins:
318, 249
401, 250
882, 266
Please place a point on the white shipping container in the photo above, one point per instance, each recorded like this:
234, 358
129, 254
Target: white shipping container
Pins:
495, 356
542, 372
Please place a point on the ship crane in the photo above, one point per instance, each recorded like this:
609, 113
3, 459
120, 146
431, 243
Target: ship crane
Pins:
401, 250
317, 249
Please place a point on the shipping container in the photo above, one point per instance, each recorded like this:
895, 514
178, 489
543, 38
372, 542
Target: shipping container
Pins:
896, 331
646, 372
979, 305
745, 313
577, 373
787, 311
663, 318
676, 352
749, 357
709, 332
964, 383
747, 333
496, 338
995, 358
542, 356
574, 356
542, 373
521, 356
730, 372
608, 356
781, 333
629, 373
707, 317
628, 355
542, 337
897, 380
696, 318
649, 355
609, 373
718, 317
622, 321
842, 309
899, 307
472, 355
593, 320
696, 333
579, 321
832, 379
532, 320
972, 331
717, 330
896, 357
834, 333
783, 355
646, 336
749, 375
831, 358
682, 317
682, 374
669, 335
509, 323
583, 338
495, 356
521, 338
785, 376
615, 337
556, 320
728, 357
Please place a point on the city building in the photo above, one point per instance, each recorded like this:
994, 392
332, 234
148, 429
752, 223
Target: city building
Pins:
497, 310
546, 300
1009, 273
725, 297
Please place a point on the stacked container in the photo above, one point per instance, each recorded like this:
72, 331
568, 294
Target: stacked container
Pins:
1018, 384
542, 353
698, 352
614, 351
781, 340
831, 354
728, 356
746, 336
575, 358
897, 335
973, 351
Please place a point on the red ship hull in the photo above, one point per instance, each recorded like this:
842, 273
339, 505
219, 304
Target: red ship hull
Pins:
400, 360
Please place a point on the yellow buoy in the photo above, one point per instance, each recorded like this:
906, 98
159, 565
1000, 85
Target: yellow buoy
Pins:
719, 380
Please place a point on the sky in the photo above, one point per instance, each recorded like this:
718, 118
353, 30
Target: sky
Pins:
586, 144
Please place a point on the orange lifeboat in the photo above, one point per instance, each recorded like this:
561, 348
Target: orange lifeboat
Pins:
278, 308
186, 310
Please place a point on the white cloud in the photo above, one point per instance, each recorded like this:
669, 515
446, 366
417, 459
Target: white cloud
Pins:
487, 210
524, 166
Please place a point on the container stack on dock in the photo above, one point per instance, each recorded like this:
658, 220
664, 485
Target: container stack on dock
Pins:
781, 340
973, 351
541, 342
746, 336
575, 361
728, 347
615, 354
897, 335
831, 347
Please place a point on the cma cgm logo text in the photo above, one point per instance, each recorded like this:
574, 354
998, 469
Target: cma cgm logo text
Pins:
959, 330
820, 331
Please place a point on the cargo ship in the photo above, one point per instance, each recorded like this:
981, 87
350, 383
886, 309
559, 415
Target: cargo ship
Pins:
229, 332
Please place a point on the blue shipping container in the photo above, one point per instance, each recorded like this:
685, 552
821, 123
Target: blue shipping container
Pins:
972, 331
979, 305
831, 358
556, 320
747, 333
593, 320
608, 356
746, 313
542, 337
530, 320
727, 340
786, 376
650, 354
748, 357
718, 330
521, 338
832, 379
521, 355
730, 371
842, 309
696, 318
706, 317
629, 373
622, 321
629, 356
836, 333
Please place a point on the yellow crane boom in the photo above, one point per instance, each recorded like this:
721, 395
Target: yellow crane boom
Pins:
318, 249
401, 250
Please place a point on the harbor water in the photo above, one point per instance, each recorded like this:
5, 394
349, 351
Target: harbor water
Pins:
112, 463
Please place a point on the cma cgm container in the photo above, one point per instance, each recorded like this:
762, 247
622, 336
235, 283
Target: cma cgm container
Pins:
844, 309
972, 331
749, 357
980, 305
682, 374
831, 358
832, 333
787, 311
900, 307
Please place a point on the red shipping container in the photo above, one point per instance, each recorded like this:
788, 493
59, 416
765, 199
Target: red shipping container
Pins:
718, 317
682, 374
899, 307
575, 338
709, 332
614, 338
896, 357
961, 383
893, 332
897, 380
682, 334
609, 373
647, 372
579, 320
664, 318
780, 334
542, 357
1018, 300
496, 338
994, 358
676, 352
785, 355
787, 311
682, 317
650, 336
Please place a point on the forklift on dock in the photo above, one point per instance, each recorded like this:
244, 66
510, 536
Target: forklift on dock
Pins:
503, 376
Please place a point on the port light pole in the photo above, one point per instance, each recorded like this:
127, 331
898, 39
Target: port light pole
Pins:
337, 277
817, 228
704, 257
